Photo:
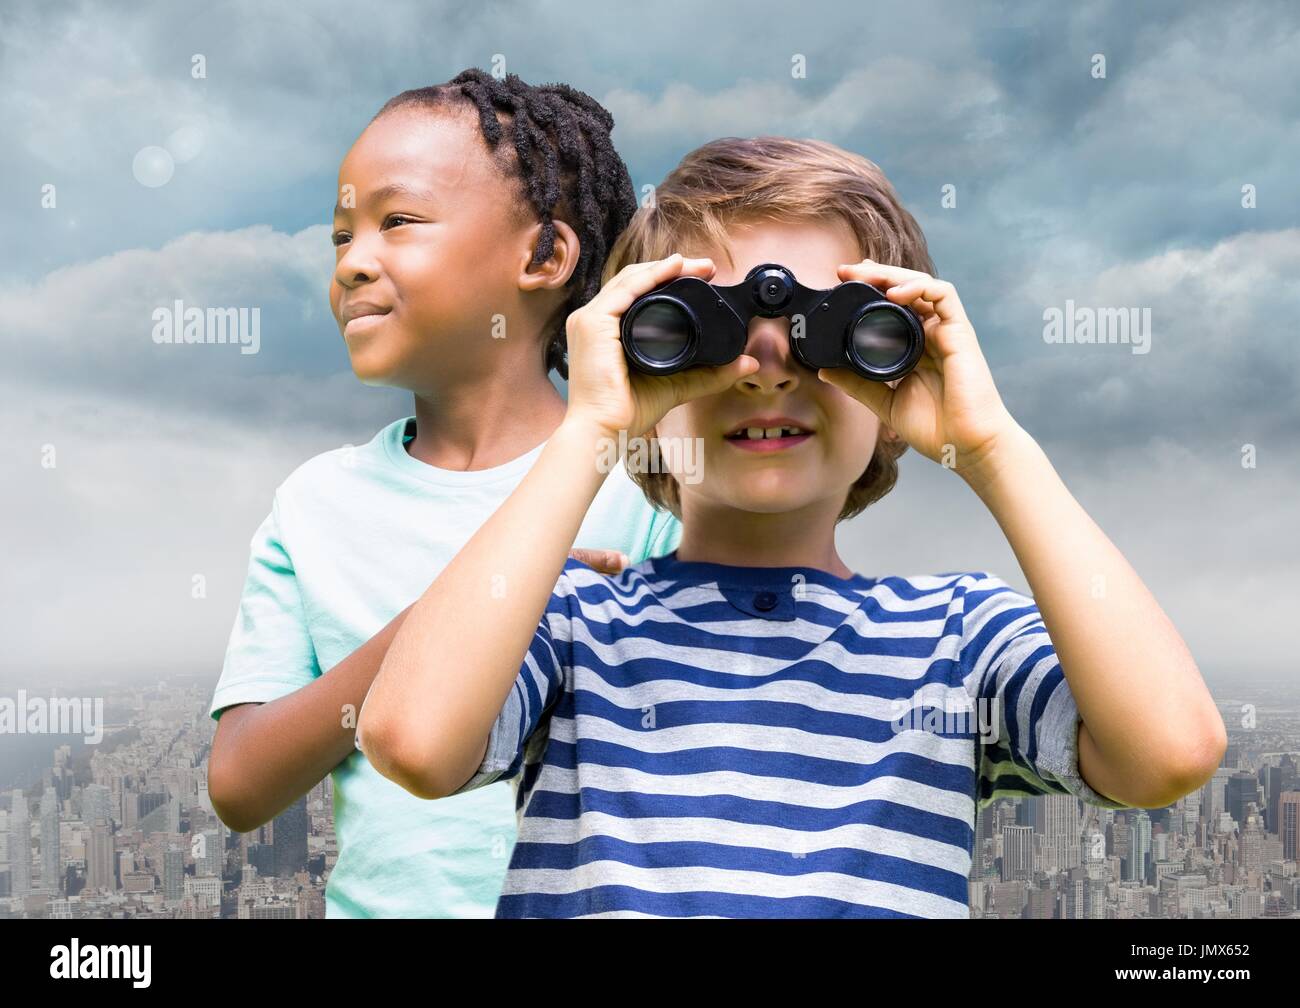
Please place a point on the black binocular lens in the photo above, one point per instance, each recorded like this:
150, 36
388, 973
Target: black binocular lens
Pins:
881, 339
662, 330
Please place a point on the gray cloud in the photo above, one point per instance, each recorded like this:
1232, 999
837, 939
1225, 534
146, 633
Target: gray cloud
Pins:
1221, 368
1113, 193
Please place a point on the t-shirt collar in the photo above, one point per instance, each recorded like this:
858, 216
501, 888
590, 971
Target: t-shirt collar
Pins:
730, 576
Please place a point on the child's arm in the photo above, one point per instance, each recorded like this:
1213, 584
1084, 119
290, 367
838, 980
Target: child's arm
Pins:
266, 755
1151, 732
427, 719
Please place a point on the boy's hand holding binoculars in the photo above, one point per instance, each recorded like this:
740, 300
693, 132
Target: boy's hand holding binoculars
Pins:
947, 408
602, 390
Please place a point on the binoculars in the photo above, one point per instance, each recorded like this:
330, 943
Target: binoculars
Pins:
688, 323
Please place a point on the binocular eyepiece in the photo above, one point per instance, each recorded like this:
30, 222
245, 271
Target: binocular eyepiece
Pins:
688, 323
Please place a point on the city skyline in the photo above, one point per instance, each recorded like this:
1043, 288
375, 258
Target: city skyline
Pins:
148, 843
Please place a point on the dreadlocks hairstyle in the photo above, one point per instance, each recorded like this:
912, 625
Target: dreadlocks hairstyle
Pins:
566, 162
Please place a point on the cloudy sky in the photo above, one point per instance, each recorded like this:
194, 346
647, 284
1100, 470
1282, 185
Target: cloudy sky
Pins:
1115, 191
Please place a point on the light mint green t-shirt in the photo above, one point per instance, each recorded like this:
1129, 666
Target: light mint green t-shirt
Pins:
354, 536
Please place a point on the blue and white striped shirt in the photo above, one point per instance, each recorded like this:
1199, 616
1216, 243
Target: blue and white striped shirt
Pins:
692, 739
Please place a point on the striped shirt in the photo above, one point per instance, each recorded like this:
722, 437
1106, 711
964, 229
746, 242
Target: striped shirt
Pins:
690, 739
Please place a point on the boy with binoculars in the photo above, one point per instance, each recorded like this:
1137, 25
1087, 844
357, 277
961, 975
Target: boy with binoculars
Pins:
746, 727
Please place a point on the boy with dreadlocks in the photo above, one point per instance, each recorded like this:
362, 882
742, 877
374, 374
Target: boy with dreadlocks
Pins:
473, 217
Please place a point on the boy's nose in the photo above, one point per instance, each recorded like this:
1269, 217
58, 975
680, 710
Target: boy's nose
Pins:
356, 266
769, 344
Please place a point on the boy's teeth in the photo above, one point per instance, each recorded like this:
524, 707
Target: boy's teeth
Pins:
759, 433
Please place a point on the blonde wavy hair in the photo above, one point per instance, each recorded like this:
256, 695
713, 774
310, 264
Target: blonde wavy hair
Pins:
740, 181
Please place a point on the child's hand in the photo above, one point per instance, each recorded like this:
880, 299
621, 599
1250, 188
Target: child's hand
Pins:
605, 561
602, 390
949, 398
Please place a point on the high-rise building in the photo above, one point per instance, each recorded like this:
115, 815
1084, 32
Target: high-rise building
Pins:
1214, 793
148, 801
205, 890
1092, 853
20, 844
163, 819
1094, 899
173, 873
97, 803
1283, 777
1288, 819
289, 839
1191, 809
1121, 835
100, 872
1232, 756
211, 857
51, 851
1139, 846
1017, 853
262, 857
1250, 850
1242, 790
1059, 822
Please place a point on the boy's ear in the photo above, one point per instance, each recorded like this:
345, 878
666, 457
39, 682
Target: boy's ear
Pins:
554, 273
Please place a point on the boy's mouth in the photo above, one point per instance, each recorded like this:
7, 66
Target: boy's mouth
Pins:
361, 323
768, 436
362, 315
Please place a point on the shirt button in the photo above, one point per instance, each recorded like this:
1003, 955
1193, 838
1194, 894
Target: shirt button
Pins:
765, 601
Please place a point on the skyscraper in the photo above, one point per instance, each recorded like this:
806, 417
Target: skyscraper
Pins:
1060, 824
289, 838
173, 873
97, 803
1288, 818
1250, 851
1242, 790
1139, 846
1277, 779
51, 852
212, 855
20, 844
1017, 853
100, 873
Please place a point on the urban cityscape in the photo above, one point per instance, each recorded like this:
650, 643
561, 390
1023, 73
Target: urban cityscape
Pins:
123, 828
